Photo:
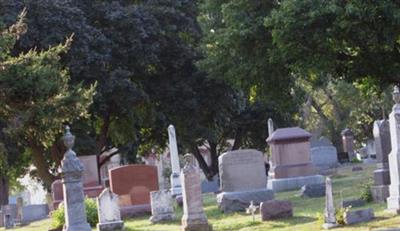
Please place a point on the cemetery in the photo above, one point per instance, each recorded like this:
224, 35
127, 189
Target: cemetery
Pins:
169, 115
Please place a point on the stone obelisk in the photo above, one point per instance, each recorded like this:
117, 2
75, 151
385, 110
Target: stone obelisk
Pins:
329, 214
393, 201
71, 173
175, 167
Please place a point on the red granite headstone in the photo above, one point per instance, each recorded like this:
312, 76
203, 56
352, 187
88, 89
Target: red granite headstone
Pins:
136, 180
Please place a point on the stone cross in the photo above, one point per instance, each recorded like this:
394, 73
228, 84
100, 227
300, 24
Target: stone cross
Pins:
71, 173
173, 150
252, 210
330, 218
194, 218
162, 208
108, 211
270, 127
393, 201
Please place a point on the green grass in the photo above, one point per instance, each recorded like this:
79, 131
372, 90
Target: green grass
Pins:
307, 212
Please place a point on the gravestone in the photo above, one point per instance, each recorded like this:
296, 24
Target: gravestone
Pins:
352, 202
324, 154
393, 201
329, 214
290, 161
313, 190
20, 204
162, 208
175, 168
108, 212
348, 143
357, 216
8, 221
71, 173
36, 212
91, 173
270, 126
242, 180
133, 184
210, 186
380, 189
275, 209
194, 218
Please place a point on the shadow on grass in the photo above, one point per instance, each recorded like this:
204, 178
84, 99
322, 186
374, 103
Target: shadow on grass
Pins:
237, 226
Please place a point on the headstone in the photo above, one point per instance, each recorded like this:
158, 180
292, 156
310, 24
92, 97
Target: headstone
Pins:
290, 161
71, 173
173, 149
357, 216
8, 221
324, 154
380, 189
194, 218
108, 212
348, 143
243, 179
36, 212
210, 186
57, 193
91, 173
356, 169
275, 209
371, 149
133, 184
329, 214
162, 208
352, 202
20, 204
393, 201
313, 190
270, 126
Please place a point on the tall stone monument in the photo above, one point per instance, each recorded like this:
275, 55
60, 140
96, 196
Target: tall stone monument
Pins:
393, 201
71, 173
380, 189
270, 126
173, 150
329, 214
348, 143
194, 218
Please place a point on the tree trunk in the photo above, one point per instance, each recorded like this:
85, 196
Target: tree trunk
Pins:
238, 139
4, 190
203, 165
214, 158
41, 165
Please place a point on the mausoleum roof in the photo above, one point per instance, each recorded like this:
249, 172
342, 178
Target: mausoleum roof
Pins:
292, 133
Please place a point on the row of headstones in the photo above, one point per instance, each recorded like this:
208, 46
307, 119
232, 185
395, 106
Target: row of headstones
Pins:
12, 215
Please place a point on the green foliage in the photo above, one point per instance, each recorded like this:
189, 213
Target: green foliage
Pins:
355, 160
339, 213
366, 194
58, 216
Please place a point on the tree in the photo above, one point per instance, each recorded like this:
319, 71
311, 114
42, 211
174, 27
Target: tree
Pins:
36, 98
350, 40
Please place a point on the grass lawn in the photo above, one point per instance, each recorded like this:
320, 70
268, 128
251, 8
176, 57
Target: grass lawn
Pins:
307, 212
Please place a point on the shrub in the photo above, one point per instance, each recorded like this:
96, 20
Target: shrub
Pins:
58, 216
366, 194
340, 215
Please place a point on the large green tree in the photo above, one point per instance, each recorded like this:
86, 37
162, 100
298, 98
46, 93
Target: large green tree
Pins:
36, 98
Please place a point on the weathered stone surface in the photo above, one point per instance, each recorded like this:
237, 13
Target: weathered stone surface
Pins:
380, 193
71, 173
313, 190
324, 154
329, 213
352, 202
393, 201
236, 168
34, 212
357, 216
108, 211
210, 186
290, 153
275, 209
194, 218
239, 201
285, 184
175, 168
162, 208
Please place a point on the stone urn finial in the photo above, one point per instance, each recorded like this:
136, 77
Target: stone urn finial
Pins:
396, 95
69, 139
